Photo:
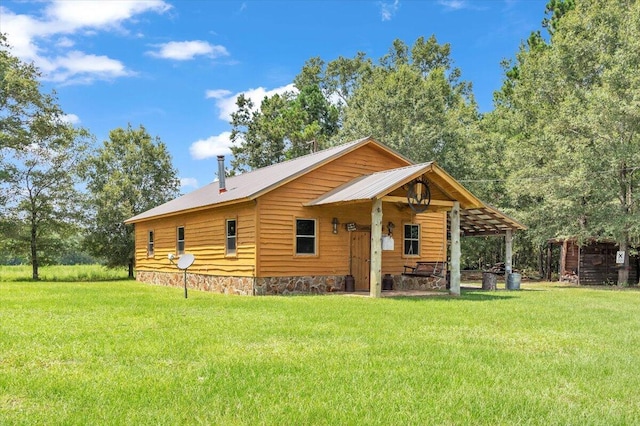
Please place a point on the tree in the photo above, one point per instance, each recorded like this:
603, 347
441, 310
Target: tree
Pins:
39, 155
414, 102
285, 126
576, 153
130, 174
23, 105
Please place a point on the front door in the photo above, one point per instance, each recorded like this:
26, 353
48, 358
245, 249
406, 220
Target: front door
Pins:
361, 259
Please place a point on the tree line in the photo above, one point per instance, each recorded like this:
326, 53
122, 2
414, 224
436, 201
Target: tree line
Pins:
47, 215
560, 151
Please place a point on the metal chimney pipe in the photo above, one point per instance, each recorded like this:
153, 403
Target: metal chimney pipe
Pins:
221, 183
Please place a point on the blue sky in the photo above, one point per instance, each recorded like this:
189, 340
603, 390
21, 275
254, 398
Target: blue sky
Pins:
176, 67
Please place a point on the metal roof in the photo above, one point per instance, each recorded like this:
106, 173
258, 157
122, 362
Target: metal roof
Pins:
486, 221
250, 185
371, 186
479, 219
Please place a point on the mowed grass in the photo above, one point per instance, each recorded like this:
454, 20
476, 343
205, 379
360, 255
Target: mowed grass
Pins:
62, 273
129, 353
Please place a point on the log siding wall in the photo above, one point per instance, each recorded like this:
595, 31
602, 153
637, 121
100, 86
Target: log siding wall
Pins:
205, 238
278, 210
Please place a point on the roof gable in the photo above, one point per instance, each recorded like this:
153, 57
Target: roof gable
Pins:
379, 184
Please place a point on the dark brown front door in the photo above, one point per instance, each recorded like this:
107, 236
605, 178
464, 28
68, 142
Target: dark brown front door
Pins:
361, 258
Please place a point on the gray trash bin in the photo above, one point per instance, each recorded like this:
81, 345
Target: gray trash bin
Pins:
513, 281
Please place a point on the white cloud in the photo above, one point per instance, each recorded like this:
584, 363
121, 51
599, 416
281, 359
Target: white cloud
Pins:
70, 118
20, 31
387, 10
226, 101
69, 16
78, 67
211, 147
453, 4
65, 42
217, 94
187, 50
187, 181
44, 39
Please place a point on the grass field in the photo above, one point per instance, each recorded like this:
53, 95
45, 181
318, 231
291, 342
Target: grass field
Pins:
62, 273
122, 352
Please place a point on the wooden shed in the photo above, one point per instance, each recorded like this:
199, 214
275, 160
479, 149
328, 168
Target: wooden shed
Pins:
593, 262
353, 213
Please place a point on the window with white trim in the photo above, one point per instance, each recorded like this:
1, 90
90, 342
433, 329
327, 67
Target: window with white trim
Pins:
411, 239
231, 237
150, 244
180, 240
305, 236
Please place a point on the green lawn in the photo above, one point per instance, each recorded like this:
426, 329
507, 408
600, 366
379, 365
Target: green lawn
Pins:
122, 352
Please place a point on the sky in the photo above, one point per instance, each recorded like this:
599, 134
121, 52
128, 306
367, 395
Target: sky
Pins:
176, 67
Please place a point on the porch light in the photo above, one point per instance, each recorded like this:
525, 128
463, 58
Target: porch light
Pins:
390, 227
335, 224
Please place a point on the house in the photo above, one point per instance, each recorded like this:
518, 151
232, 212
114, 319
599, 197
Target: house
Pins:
345, 216
591, 263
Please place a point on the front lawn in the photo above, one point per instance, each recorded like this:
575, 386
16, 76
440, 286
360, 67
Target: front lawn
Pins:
122, 352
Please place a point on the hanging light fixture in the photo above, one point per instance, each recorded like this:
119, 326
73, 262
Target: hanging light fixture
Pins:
335, 224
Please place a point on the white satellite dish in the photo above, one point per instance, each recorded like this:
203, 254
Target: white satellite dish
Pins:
186, 260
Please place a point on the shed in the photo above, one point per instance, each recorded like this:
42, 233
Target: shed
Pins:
593, 262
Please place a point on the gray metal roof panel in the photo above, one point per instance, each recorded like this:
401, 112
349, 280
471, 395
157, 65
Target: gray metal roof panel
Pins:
370, 186
247, 186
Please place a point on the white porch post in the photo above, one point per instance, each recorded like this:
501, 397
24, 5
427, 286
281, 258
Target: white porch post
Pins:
454, 285
508, 255
375, 274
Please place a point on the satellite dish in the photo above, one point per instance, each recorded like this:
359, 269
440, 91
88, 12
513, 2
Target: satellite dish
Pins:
186, 260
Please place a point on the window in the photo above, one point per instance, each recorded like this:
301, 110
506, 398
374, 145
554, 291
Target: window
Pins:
150, 244
180, 240
231, 237
305, 236
411, 239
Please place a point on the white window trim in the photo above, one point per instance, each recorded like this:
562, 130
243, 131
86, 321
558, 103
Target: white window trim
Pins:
151, 241
178, 240
227, 252
315, 237
405, 239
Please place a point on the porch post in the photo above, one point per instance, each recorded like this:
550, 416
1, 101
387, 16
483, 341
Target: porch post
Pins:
454, 285
508, 255
375, 274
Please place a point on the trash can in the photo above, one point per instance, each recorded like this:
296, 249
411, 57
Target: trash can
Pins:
349, 283
513, 281
387, 282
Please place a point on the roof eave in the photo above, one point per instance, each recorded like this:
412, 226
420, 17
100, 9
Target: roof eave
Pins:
136, 219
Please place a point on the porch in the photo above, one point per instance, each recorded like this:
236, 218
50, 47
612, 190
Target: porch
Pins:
418, 189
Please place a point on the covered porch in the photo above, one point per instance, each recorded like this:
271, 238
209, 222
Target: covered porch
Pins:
417, 191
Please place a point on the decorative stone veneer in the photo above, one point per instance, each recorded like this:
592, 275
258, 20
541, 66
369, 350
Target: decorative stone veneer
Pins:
299, 285
213, 283
245, 285
411, 282
277, 285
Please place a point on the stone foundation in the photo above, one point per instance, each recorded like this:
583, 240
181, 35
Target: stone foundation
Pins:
248, 286
413, 282
245, 285
213, 283
299, 285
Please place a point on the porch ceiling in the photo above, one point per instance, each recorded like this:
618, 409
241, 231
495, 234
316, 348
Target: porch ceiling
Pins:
486, 221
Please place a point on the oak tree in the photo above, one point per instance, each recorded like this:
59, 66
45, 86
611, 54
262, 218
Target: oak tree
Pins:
128, 175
